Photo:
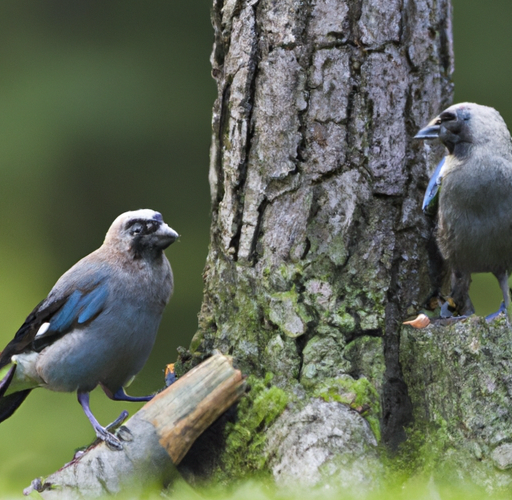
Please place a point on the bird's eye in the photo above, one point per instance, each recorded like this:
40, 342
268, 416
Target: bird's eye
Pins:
447, 116
136, 229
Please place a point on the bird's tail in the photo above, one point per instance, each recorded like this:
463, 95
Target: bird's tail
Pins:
10, 403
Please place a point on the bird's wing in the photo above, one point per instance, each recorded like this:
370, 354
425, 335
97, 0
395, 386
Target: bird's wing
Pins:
65, 307
431, 198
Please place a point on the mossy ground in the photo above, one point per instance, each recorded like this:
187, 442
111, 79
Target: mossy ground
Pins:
244, 455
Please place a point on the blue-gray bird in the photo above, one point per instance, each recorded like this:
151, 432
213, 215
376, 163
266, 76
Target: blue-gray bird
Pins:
99, 322
471, 190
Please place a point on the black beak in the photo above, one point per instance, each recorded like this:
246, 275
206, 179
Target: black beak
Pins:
431, 131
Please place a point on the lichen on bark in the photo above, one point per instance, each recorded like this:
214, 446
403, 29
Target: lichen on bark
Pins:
318, 244
460, 383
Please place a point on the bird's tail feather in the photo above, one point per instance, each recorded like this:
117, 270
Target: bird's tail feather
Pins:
6, 377
10, 403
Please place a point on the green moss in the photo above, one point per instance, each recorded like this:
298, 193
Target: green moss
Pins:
291, 295
288, 313
338, 251
344, 320
366, 357
196, 340
359, 394
245, 442
430, 455
417, 488
291, 272
421, 453
322, 357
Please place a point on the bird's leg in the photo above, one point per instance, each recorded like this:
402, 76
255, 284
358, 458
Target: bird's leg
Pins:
460, 293
102, 432
505, 307
120, 395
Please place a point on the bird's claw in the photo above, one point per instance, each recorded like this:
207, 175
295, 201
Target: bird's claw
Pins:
110, 440
124, 433
117, 422
494, 315
106, 433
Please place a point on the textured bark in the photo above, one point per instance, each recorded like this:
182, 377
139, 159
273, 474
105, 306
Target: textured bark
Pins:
460, 382
318, 244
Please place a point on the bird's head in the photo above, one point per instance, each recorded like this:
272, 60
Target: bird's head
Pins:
141, 233
462, 125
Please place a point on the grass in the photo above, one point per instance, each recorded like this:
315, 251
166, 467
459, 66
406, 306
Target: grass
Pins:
418, 488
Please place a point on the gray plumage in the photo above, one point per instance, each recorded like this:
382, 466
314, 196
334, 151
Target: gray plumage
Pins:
475, 199
99, 322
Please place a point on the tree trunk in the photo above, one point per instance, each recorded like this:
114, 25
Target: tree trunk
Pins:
318, 244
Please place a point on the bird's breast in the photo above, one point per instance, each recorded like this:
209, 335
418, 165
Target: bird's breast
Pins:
475, 220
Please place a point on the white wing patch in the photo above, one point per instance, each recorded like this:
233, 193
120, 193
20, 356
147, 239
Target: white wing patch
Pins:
42, 329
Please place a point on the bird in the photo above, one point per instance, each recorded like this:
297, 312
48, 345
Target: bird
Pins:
98, 324
471, 192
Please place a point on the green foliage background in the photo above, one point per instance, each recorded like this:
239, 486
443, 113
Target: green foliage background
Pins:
106, 107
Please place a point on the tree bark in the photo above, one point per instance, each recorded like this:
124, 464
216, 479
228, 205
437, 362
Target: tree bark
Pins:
459, 378
318, 245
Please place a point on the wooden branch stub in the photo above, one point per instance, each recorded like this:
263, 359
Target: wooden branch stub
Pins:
199, 398
155, 439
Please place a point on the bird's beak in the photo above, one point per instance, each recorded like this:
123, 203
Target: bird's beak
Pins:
166, 235
172, 233
431, 131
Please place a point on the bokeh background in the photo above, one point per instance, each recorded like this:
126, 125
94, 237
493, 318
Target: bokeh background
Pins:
106, 107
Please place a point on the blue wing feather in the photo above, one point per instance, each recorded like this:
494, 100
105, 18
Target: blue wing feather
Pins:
80, 307
65, 317
431, 197
92, 303
78, 297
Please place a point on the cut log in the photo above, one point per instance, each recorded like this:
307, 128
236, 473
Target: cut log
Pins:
155, 439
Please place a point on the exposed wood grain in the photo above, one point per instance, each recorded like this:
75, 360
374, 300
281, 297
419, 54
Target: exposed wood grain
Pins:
180, 420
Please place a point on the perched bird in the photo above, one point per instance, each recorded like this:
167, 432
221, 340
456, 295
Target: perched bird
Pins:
471, 189
99, 322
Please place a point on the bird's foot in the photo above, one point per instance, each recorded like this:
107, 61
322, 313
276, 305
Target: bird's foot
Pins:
120, 395
102, 433
106, 434
502, 310
110, 440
